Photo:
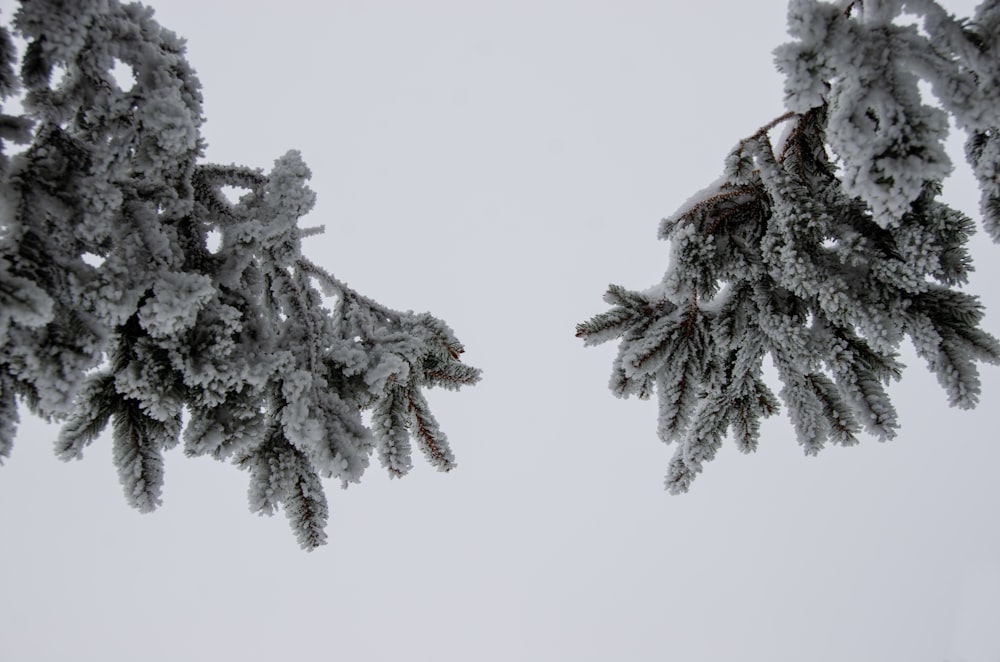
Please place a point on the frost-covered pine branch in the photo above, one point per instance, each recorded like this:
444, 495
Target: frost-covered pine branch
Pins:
825, 248
114, 310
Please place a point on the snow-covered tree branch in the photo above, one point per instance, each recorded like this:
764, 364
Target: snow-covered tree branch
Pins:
114, 308
827, 246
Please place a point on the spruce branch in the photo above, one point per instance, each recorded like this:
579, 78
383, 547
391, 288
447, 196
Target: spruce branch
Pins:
824, 263
236, 335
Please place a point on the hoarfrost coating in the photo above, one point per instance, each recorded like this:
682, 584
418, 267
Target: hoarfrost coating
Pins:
116, 310
830, 242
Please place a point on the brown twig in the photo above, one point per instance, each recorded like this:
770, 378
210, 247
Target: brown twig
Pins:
428, 439
718, 197
762, 131
728, 214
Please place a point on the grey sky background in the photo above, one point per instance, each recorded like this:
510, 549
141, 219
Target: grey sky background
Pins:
498, 164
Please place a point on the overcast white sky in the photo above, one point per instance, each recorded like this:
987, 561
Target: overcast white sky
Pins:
498, 164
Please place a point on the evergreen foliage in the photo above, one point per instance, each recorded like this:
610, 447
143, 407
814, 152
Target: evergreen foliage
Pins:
114, 309
825, 248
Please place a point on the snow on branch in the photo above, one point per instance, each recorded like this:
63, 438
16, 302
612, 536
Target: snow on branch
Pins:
157, 326
827, 247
